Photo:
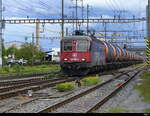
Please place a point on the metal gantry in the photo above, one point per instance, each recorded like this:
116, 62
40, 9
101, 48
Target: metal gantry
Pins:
59, 21
68, 21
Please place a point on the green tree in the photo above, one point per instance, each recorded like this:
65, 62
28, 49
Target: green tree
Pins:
29, 52
3, 53
11, 51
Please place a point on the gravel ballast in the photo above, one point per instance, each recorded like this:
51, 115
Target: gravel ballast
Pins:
39, 104
129, 99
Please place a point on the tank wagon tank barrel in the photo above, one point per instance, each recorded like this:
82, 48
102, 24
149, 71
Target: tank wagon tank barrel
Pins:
81, 54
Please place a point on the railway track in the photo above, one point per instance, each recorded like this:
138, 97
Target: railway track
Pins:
27, 83
23, 81
80, 105
26, 76
12, 91
109, 96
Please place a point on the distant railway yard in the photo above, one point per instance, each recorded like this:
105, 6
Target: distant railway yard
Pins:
117, 91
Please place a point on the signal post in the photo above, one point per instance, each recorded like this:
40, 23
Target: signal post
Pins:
148, 36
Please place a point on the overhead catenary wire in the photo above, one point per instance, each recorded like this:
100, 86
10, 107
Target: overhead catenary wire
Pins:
115, 6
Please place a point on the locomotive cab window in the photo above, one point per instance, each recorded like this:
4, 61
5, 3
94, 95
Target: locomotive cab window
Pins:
83, 45
67, 46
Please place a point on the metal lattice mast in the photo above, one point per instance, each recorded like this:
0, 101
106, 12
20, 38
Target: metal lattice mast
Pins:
38, 35
148, 36
62, 27
87, 18
1, 33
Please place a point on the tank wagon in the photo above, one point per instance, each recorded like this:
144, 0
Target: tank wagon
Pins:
83, 54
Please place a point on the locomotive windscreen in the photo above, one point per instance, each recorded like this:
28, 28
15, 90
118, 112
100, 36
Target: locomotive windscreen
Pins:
67, 45
83, 45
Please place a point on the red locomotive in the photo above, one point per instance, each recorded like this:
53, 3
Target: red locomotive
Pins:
83, 54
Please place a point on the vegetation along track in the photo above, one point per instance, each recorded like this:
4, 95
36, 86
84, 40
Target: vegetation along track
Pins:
26, 76
11, 85
14, 87
88, 100
23, 88
29, 80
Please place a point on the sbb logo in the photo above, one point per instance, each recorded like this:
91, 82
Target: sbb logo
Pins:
74, 55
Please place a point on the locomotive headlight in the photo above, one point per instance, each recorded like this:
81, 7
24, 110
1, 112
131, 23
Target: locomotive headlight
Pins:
83, 59
65, 59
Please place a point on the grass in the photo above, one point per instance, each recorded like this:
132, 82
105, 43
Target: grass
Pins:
136, 65
56, 75
89, 81
147, 111
144, 88
116, 110
25, 70
63, 87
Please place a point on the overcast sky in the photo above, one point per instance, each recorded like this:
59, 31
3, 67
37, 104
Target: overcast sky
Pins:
47, 9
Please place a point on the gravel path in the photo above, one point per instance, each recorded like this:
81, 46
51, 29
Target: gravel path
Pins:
128, 99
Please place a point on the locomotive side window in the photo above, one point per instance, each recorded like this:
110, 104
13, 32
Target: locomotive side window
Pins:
83, 45
67, 46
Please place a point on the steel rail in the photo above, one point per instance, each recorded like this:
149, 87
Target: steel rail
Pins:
29, 83
33, 88
17, 82
112, 94
26, 76
60, 104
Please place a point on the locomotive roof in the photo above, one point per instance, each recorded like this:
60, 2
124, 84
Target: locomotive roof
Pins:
77, 38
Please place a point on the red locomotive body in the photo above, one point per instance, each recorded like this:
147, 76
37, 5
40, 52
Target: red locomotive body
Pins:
72, 51
83, 54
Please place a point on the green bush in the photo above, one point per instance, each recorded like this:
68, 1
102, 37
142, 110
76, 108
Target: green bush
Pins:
65, 86
6, 68
18, 68
90, 81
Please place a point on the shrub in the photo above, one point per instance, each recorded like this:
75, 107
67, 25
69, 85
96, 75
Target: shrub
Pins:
18, 68
6, 68
65, 86
90, 81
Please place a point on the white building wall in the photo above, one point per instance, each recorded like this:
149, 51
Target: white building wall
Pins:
56, 54
17, 44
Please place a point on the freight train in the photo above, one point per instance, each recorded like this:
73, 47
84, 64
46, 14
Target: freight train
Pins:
81, 54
